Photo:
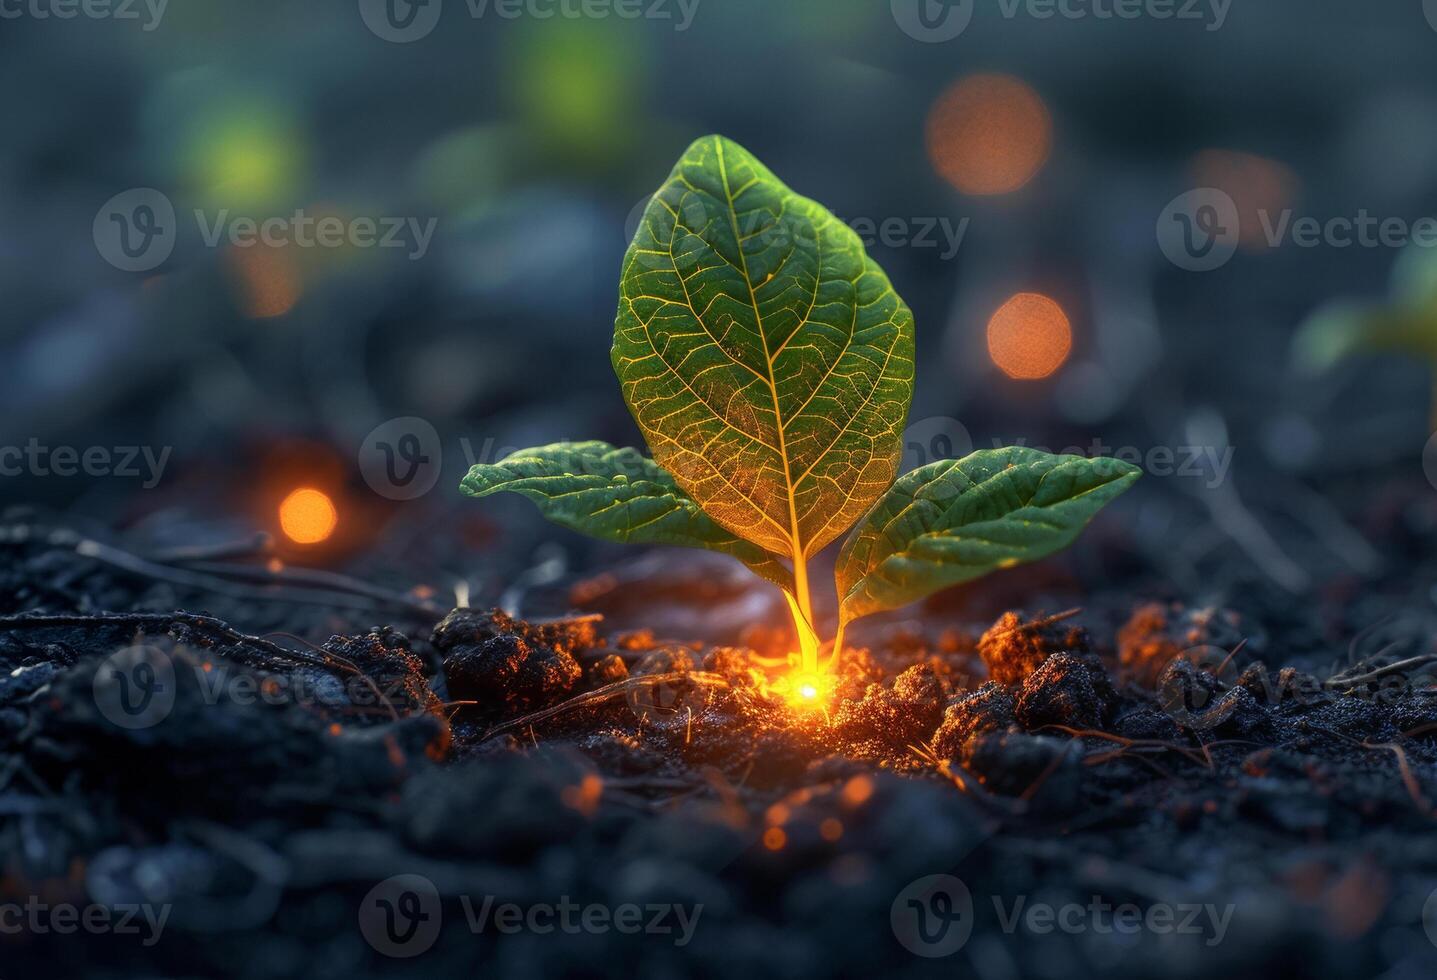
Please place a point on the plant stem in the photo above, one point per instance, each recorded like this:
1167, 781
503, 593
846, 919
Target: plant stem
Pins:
807, 638
801, 605
800, 584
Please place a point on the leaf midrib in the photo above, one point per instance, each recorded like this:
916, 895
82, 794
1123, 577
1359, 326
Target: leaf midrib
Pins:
795, 541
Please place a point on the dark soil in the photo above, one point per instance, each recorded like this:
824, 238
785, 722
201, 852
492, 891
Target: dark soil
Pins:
1139, 749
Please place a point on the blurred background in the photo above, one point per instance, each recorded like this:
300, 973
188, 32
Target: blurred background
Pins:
291, 268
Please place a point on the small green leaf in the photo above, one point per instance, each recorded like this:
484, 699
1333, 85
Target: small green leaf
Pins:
956, 520
767, 359
1406, 323
617, 495
1414, 278
1339, 330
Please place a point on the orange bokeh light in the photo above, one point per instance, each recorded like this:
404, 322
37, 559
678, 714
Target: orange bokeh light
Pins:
857, 790
989, 134
774, 839
268, 280
1029, 337
1260, 187
585, 796
307, 516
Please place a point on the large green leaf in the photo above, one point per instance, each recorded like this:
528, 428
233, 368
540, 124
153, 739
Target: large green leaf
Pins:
617, 495
956, 520
766, 358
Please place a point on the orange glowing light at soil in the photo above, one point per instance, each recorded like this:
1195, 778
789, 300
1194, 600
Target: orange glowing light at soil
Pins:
1029, 337
989, 134
806, 692
307, 516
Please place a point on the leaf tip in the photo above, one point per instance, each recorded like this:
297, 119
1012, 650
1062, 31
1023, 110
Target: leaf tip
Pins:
719, 145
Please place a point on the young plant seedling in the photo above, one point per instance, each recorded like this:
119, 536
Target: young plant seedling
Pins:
769, 363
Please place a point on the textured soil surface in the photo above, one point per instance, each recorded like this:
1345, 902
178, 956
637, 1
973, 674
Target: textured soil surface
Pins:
1229, 786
